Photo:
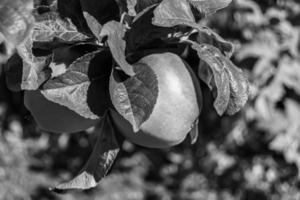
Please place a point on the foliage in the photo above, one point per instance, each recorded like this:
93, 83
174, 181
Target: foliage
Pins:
253, 154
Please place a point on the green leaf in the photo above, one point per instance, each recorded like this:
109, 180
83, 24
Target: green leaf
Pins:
24, 71
50, 26
230, 82
134, 7
93, 25
144, 4
72, 10
172, 13
207, 7
115, 32
144, 35
135, 97
63, 57
205, 35
100, 161
24, 76
97, 13
16, 20
83, 88
34, 70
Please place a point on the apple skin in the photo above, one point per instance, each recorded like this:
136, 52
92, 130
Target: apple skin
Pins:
53, 117
176, 108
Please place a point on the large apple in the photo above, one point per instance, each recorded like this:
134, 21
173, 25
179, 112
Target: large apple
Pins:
177, 106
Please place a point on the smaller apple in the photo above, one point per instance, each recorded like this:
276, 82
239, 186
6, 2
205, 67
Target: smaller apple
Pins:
53, 117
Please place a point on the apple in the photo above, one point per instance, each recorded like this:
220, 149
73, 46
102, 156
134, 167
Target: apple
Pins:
53, 117
177, 106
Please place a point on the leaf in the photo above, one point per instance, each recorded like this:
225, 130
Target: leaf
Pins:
93, 25
207, 7
35, 70
115, 32
83, 88
135, 97
144, 4
20, 76
63, 57
172, 13
143, 34
194, 133
169, 14
24, 71
208, 36
100, 161
72, 10
50, 26
97, 13
232, 85
16, 20
135, 7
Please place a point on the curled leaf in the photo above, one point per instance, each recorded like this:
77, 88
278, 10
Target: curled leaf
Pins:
100, 161
230, 81
172, 13
208, 36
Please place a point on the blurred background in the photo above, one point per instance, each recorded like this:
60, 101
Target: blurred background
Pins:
253, 155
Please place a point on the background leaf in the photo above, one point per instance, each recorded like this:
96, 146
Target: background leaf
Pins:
16, 20
93, 25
